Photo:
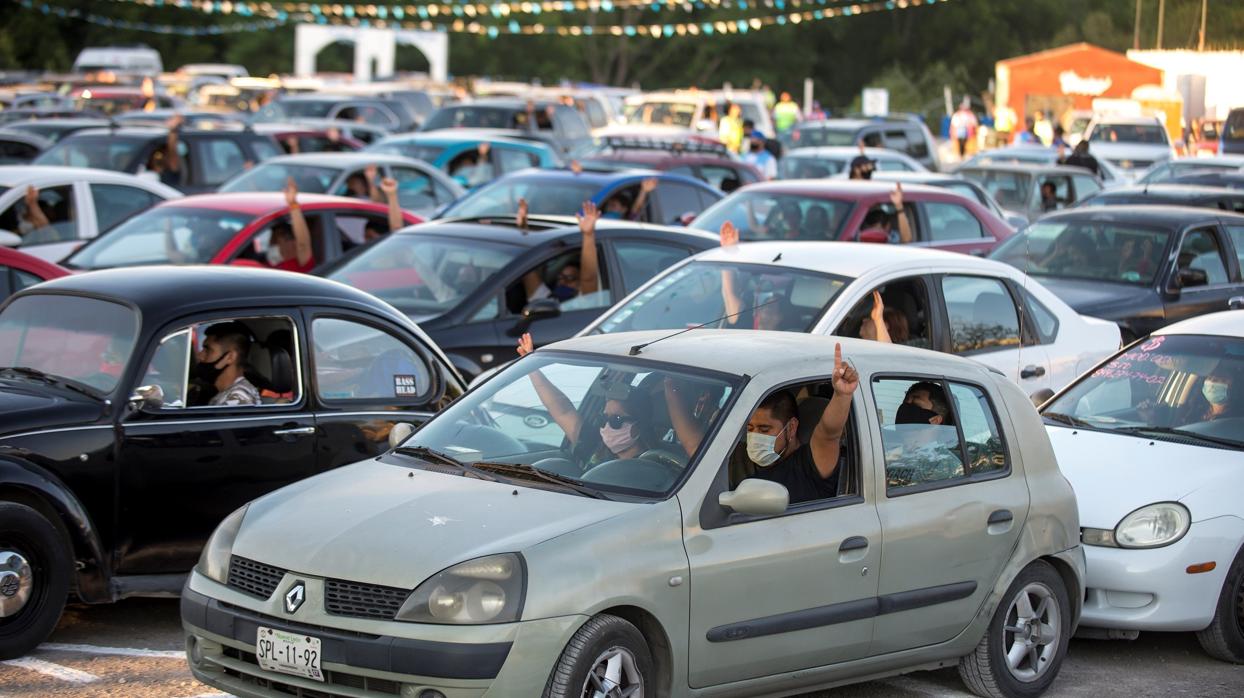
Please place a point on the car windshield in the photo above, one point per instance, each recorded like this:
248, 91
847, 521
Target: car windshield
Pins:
108, 152
759, 296
662, 113
1192, 384
271, 176
484, 117
1150, 134
606, 426
304, 108
812, 136
560, 197
1092, 250
163, 235
1011, 190
760, 215
84, 340
795, 166
410, 149
424, 275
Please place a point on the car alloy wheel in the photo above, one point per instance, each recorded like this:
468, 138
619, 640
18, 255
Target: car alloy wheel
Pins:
614, 674
1032, 632
17, 582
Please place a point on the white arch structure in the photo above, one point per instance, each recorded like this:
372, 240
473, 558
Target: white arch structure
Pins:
372, 47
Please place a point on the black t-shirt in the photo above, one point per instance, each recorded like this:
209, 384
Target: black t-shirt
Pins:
797, 472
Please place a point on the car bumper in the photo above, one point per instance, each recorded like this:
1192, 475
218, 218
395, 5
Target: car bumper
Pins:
384, 660
1152, 590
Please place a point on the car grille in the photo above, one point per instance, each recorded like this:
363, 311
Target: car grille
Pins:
357, 600
261, 679
254, 578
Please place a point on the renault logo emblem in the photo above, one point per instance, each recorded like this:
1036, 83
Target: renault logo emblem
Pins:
295, 596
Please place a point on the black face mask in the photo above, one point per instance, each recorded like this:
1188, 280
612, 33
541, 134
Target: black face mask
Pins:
207, 371
909, 413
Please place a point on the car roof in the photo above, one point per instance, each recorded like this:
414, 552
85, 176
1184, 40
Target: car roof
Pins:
146, 132
1167, 189
600, 178
853, 259
342, 160
1026, 167
500, 103
13, 175
1128, 120
455, 136
846, 152
919, 177
827, 188
542, 229
842, 124
262, 203
1139, 214
1226, 323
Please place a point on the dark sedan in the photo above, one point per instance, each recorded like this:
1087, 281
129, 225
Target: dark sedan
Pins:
462, 280
1170, 195
116, 458
1142, 267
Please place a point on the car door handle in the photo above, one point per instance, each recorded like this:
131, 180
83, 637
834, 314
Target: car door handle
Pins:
1235, 303
1001, 516
853, 543
1032, 371
296, 431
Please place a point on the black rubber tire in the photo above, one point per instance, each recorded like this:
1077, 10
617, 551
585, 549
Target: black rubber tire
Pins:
984, 671
598, 634
1224, 638
45, 549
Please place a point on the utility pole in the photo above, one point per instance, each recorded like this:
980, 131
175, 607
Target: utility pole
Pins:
1200, 44
1136, 33
1161, 18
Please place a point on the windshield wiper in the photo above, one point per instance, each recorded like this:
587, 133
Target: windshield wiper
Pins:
1180, 433
432, 455
548, 476
1066, 419
27, 372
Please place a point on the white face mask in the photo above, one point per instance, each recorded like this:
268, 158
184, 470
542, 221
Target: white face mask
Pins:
760, 448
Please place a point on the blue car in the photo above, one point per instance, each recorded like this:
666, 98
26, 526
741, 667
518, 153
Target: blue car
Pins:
459, 155
676, 199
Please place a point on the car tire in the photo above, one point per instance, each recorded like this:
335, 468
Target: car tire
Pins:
989, 671
35, 567
607, 652
1224, 638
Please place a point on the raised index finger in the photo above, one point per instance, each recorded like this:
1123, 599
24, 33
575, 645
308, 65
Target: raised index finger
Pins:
837, 356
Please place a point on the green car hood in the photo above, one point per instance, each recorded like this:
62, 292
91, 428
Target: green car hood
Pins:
396, 526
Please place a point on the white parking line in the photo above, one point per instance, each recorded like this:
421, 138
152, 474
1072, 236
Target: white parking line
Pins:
56, 671
924, 688
116, 651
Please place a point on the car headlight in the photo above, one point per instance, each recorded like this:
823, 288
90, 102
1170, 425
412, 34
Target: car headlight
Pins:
1153, 526
214, 562
484, 590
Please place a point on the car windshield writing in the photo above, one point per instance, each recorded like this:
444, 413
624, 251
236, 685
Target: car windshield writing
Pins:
759, 296
1191, 383
424, 275
1098, 251
611, 425
81, 339
165, 235
764, 216
544, 197
272, 176
102, 152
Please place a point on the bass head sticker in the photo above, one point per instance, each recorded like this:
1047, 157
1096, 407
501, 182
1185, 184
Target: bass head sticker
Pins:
404, 386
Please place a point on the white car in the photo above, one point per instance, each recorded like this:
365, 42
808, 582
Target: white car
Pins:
835, 161
938, 300
1153, 443
79, 202
1133, 143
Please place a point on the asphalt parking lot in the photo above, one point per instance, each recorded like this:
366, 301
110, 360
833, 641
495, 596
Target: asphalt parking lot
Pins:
132, 649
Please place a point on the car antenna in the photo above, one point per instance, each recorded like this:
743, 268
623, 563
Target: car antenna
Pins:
640, 347
778, 257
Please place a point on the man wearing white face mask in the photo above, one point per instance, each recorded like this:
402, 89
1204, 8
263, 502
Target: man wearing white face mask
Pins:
808, 471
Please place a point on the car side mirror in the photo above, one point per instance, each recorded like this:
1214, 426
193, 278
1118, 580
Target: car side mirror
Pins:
539, 309
399, 433
146, 397
1041, 396
756, 497
875, 236
9, 238
1192, 277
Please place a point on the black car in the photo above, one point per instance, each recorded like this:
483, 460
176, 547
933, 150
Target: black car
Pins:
209, 157
1142, 267
462, 280
1170, 195
559, 125
55, 129
113, 471
1230, 180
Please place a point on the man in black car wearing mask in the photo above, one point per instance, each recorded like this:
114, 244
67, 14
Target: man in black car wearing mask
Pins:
221, 365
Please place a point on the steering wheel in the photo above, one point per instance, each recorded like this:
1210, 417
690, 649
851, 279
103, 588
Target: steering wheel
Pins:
665, 457
633, 473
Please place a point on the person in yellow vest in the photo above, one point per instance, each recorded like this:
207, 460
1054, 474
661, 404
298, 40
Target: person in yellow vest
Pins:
1004, 121
730, 131
786, 114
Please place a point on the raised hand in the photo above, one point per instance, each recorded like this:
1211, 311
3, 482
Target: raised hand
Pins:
388, 185
587, 219
896, 196
483, 148
648, 185
175, 122
860, 143
370, 173
576, 167
522, 214
291, 192
878, 311
525, 345
32, 197
846, 378
729, 234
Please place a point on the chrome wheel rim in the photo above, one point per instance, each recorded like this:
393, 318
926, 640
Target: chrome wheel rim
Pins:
1032, 633
614, 674
17, 583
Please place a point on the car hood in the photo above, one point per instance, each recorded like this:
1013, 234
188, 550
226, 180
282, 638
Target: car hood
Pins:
1099, 298
28, 406
393, 525
1130, 151
1116, 474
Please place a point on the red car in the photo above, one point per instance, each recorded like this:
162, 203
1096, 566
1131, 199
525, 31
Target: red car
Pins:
856, 210
231, 229
19, 270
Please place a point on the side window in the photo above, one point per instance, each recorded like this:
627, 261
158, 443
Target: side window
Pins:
978, 425
354, 361
57, 206
1236, 232
951, 222
220, 159
15, 153
573, 124
1044, 320
116, 202
896, 140
916, 146
727, 179
1062, 192
1200, 253
264, 148
905, 309
23, 280
7, 277
982, 314
1085, 186
872, 139
511, 159
884, 217
415, 190
358, 228
640, 260
559, 278
675, 200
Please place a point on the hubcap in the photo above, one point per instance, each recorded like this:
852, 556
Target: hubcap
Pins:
1032, 632
614, 675
17, 581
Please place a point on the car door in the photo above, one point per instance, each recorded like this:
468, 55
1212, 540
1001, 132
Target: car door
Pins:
185, 465
366, 376
1201, 255
983, 322
113, 203
954, 227
951, 508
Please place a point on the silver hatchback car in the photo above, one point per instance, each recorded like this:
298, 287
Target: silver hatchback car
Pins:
711, 514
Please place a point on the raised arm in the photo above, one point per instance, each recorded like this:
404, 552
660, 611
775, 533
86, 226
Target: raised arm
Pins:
729, 295
645, 188
904, 225
878, 317
689, 431
171, 252
389, 186
828, 432
172, 157
302, 233
555, 401
34, 213
373, 193
589, 266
